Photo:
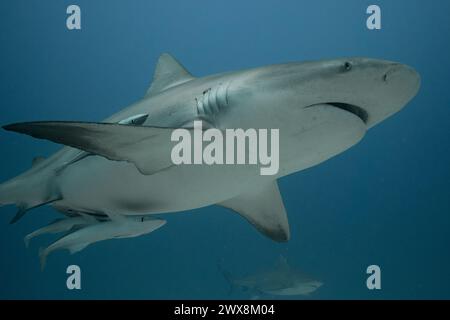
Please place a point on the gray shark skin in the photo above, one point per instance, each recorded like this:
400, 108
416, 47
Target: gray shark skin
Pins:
321, 109
123, 227
283, 280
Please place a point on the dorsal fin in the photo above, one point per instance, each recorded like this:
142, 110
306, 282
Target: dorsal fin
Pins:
168, 73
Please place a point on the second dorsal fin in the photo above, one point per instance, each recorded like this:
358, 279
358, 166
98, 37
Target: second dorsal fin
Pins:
168, 73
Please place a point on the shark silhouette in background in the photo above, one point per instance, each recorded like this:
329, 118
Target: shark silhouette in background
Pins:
282, 280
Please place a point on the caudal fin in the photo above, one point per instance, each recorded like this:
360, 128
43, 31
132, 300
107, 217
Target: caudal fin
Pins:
27, 192
8, 192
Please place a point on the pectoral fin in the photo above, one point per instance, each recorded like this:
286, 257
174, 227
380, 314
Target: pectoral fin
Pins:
149, 148
264, 209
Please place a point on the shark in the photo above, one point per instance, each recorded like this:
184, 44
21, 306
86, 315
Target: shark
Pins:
122, 166
282, 280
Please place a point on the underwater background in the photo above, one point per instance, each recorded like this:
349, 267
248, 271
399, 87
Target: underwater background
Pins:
385, 201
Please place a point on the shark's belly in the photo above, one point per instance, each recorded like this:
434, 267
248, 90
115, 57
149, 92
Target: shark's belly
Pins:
99, 185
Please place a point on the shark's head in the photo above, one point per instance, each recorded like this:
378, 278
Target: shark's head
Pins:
370, 89
321, 108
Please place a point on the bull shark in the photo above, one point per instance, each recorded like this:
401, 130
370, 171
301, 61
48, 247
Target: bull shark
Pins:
283, 280
121, 227
122, 165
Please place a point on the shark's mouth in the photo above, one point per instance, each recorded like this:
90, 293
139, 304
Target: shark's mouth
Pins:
357, 111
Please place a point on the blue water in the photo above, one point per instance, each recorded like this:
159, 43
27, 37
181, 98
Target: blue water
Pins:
383, 202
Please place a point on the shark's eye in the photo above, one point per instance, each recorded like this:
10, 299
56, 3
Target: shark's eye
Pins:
347, 66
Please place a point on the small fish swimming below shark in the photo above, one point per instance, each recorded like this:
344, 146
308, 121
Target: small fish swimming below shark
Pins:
122, 227
283, 280
60, 225
122, 166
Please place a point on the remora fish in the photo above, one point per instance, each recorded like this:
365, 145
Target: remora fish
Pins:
60, 225
121, 227
321, 109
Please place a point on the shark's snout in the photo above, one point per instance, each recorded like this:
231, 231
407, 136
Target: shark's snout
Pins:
404, 78
400, 84
403, 72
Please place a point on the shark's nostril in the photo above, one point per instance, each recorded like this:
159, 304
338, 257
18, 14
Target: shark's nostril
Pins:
393, 70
